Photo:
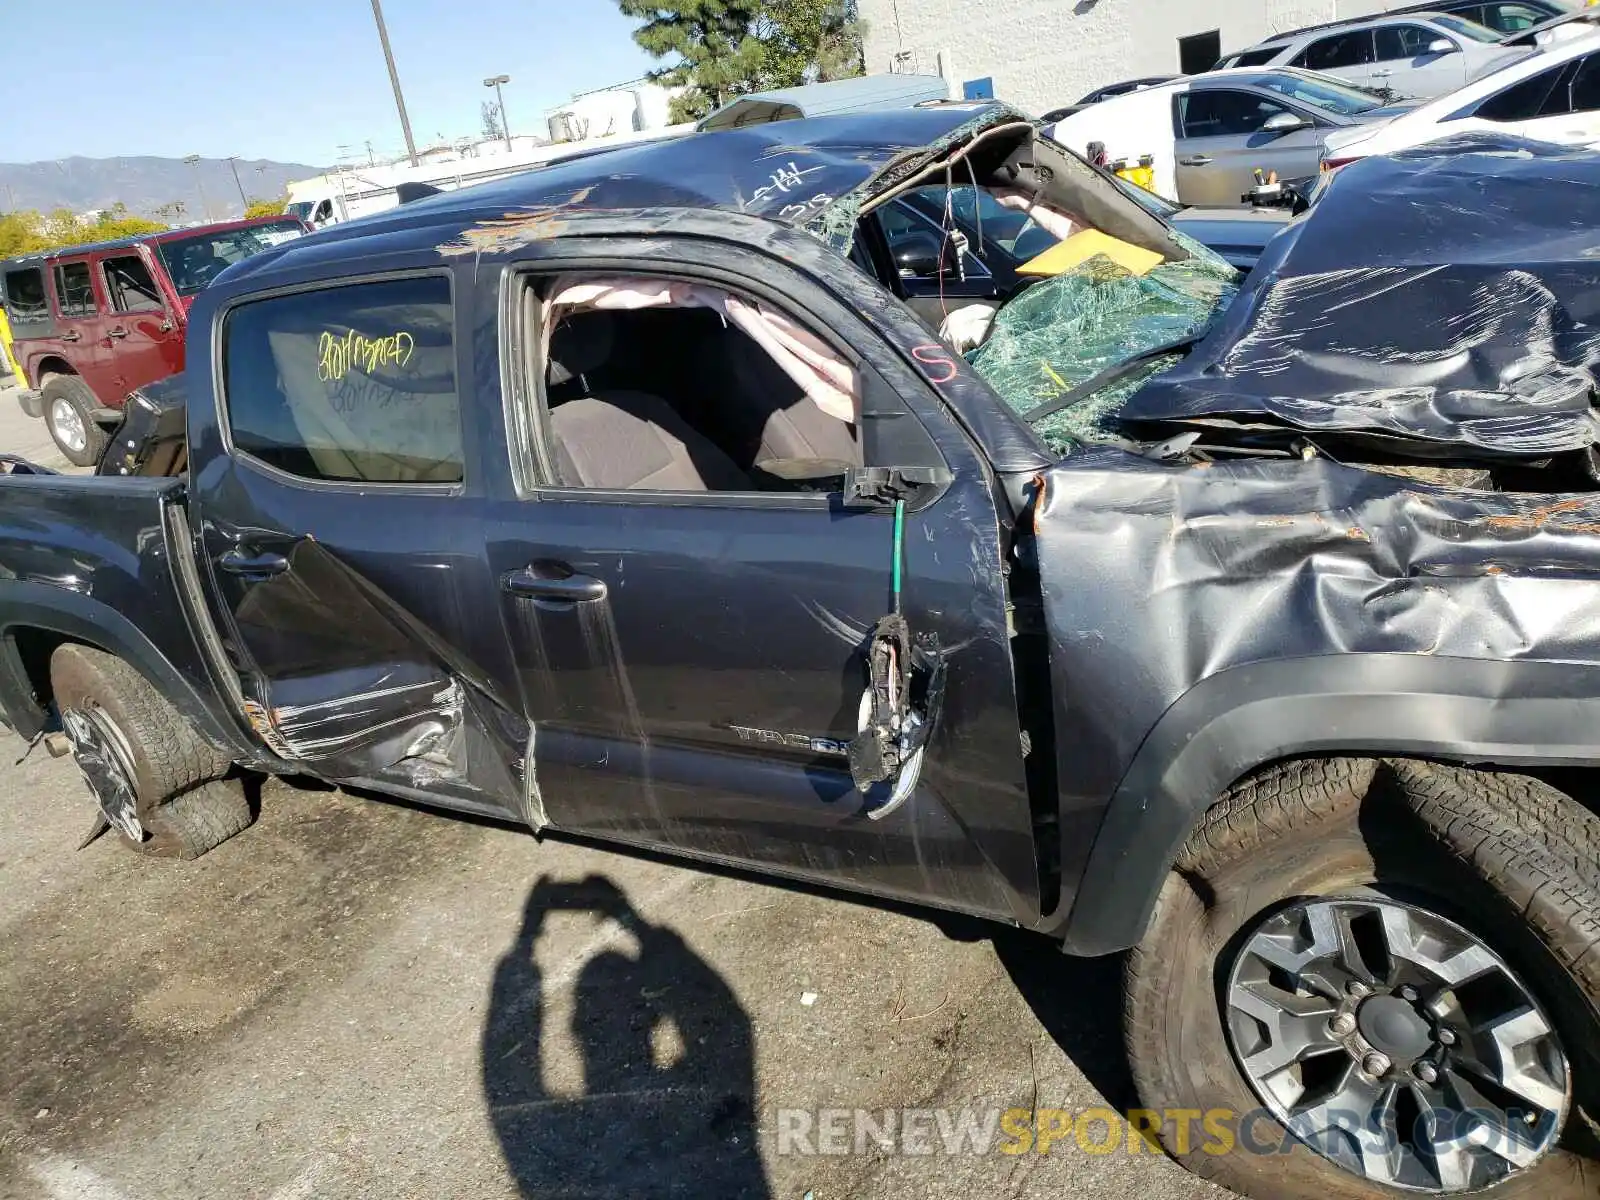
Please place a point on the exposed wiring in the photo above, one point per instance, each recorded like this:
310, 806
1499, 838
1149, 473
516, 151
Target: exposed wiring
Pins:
934, 168
945, 226
977, 205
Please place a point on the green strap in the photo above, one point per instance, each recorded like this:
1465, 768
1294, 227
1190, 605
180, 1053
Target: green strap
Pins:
899, 541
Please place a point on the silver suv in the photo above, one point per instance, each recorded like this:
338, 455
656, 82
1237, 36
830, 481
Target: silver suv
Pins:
1419, 55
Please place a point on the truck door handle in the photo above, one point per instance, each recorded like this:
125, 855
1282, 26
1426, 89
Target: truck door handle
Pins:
118, 332
71, 335
260, 565
536, 584
1195, 160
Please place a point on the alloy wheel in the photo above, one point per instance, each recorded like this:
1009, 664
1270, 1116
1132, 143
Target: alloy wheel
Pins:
68, 425
1397, 1044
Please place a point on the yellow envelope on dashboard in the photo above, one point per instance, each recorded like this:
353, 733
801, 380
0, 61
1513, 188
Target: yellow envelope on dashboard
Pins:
1081, 247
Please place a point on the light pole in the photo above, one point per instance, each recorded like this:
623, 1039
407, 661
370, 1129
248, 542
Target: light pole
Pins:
394, 80
233, 165
205, 205
495, 81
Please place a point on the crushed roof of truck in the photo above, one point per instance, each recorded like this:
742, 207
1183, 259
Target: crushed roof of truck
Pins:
789, 171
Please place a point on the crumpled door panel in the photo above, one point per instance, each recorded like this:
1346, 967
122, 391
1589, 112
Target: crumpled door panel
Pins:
357, 688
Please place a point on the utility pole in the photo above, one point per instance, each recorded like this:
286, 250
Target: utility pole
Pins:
205, 205
495, 81
394, 79
233, 165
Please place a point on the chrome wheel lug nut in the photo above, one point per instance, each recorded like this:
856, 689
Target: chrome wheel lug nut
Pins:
1425, 1072
1343, 1025
1376, 1064
1408, 994
1358, 989
1447, 1037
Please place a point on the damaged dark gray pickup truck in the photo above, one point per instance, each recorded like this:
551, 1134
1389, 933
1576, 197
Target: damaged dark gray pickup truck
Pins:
635, 498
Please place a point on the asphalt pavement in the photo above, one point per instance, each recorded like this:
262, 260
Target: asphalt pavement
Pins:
358, 998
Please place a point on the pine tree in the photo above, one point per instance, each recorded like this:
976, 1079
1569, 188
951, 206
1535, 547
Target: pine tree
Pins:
810, 41
725, 48
718, 55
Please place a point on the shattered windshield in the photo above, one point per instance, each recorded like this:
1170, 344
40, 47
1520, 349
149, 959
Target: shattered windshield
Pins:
1098, 324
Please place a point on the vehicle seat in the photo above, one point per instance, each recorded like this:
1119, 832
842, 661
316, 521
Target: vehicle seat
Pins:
580, 344
804, 431
787, 423
632, 440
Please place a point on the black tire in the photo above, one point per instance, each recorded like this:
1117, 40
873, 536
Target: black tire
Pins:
1507, 858
199, 820
183, 803
72, 393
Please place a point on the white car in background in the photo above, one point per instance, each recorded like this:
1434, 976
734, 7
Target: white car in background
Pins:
1553, 96
1417, 55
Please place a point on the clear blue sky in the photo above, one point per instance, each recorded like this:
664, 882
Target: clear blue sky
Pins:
291, 81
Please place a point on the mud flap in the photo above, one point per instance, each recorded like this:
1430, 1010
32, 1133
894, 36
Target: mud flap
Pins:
899, 710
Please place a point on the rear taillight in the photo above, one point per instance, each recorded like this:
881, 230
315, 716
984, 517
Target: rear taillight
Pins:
1333, 164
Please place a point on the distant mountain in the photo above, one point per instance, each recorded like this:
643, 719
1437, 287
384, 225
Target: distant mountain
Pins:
144, 184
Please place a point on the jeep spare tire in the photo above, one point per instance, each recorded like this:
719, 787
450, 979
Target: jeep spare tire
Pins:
1369, 979
69, 414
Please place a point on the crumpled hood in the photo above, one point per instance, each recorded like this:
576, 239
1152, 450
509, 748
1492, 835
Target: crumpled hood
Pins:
1444, 297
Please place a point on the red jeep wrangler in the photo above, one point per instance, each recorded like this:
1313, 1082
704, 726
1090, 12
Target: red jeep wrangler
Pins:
91, 323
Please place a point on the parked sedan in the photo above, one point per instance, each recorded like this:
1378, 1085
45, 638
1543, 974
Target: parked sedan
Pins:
1502, 16
1208, 134
1416, 56
1126, 86
1550, 97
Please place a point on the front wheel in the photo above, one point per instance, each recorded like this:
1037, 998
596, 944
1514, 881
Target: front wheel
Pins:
69, 408
1378, 980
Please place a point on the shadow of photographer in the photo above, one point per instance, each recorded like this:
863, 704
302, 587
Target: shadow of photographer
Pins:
666, 1053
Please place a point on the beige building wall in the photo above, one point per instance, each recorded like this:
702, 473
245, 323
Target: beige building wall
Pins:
1042, 54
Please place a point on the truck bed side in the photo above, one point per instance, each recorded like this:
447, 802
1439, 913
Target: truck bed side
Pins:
91, 559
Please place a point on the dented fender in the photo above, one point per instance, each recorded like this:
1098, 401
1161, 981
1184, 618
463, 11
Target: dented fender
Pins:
1204, 619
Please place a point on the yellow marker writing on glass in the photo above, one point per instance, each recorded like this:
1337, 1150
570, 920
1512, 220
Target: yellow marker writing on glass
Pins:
337, 356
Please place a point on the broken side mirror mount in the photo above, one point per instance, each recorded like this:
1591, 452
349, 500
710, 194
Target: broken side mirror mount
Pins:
881, 487
901, 703
900, 709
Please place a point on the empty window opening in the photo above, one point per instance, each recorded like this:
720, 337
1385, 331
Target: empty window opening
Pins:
662, 385
129, 286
